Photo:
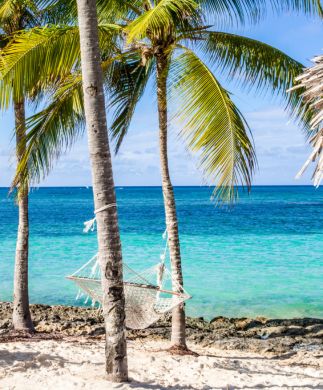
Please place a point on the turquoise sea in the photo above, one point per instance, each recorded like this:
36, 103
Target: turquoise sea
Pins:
264, 256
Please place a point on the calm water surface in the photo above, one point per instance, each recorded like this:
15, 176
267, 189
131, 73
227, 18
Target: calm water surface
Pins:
263, 257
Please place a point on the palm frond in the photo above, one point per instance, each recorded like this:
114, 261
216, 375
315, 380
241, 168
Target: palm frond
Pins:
158, 21
243, 11
258, 66
57, 12
40, 56
211, 125
309, 7
7, 10
127, 82
52, 131
18, 14
115, 10
311, 81
316, 155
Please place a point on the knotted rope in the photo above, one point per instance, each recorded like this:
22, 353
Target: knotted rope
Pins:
90, 224
161, 265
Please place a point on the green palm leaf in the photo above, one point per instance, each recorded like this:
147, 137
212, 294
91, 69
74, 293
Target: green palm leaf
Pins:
40, 56
7, 10
37, 57
58, 12
52, 131
113, 10
127, 83
242, 11
211, 125
158, 21
256, 65
28, 11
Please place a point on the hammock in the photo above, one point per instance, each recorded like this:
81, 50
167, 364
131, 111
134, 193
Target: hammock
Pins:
149, 294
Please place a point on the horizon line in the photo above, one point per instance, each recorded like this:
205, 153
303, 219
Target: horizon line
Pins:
175, 186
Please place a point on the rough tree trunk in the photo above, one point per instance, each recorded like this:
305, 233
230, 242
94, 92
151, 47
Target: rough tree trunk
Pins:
109, 243
178, 314
21, 317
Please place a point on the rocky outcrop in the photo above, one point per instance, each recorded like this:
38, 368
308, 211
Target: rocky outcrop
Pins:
258, 335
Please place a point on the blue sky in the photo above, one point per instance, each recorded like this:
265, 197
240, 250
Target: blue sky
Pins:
280, 144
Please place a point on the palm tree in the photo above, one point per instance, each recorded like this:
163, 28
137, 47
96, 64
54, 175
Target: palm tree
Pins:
103, 187
210, 123
164, 39
15, 16
110, 255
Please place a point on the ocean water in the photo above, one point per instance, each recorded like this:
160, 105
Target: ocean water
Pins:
263, 257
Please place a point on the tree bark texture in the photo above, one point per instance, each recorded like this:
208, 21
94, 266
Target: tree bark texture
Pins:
178, 313
110, 255
21, 317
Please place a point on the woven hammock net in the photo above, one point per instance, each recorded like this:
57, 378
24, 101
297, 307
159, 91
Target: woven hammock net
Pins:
149, 294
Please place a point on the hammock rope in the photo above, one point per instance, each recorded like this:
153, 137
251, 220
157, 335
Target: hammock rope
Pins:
149, 294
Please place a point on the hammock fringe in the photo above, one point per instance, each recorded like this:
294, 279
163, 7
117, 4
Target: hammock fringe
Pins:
149, 295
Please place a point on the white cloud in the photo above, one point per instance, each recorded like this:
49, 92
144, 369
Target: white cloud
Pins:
280, 147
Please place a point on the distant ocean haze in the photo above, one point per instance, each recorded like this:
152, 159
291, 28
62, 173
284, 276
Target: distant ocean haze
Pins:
262, 257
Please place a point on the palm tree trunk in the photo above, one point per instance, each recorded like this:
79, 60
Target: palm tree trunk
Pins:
21, 314
178, 314
109, 243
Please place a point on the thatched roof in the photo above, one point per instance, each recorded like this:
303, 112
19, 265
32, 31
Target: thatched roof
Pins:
312, 81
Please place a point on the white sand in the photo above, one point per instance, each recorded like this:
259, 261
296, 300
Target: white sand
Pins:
79, 364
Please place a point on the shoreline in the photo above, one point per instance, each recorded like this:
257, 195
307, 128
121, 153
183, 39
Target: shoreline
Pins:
258, 334
67, 353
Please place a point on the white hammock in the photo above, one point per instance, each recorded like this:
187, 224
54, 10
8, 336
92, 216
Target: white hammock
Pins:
148, 294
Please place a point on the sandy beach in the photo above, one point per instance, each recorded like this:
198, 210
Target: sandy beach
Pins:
67, 352
79, 364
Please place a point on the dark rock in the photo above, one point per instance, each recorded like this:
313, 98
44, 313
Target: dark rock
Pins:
247, 323
5, 324
66, 325
273, 331
314, 329
295, 331
247, 334
100, 330
220, 322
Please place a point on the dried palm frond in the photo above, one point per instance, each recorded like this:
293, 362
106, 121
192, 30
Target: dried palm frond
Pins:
312, 81
317, 143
